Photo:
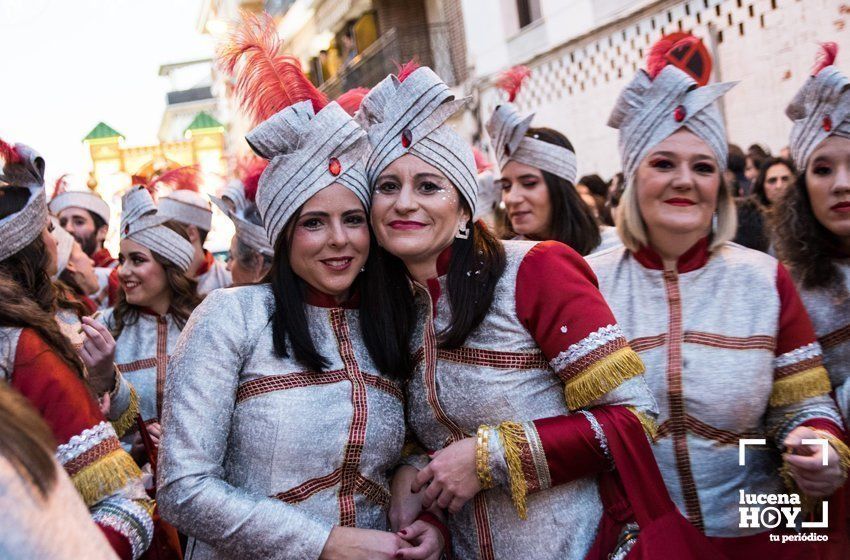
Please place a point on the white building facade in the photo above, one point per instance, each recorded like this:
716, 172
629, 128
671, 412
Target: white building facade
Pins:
583, 52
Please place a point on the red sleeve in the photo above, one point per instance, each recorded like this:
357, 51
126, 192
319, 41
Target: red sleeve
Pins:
558, 298
827, 426
119, 543
53, 388
795, 327
571, 447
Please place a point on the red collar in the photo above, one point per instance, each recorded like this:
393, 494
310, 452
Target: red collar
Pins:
317, 298
692, 259
209, 261
433, 284
102, 258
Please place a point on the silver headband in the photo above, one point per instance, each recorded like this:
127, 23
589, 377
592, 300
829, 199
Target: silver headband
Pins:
22, 228
140, 222
649, 110
80, 199
252, 235
409, 117
820, 109
507, 129
308, 152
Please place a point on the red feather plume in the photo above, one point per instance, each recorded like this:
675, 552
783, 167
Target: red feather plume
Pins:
248, 170
9, 154
684, 51
482, 164
350, 100
267, 81
407, 69
182, 178
826, 57
59, 186
511, 80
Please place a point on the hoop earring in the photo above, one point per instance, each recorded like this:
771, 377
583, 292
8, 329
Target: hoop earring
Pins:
462, 232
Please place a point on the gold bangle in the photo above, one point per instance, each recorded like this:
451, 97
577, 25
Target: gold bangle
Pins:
482, 457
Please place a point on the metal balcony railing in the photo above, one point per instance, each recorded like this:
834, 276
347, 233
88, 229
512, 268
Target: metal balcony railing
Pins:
428, 43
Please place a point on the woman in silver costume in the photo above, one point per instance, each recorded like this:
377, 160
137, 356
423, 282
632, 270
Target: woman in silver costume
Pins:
283, 420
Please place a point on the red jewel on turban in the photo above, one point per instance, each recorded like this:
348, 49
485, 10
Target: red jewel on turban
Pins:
406, 137
126, 229
334, 166
680, 113
827, 123
507, 150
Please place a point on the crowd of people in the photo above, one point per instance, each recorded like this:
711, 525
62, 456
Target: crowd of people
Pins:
414, 353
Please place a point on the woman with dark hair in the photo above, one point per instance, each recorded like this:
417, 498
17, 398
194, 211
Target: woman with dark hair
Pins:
537, 169
729, 350
48, 520
155, 301
41, 364
813, 218
280, 442
774, 178
594, 192
754, 159
522, 379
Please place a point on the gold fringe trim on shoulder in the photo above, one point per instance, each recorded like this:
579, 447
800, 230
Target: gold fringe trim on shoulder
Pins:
513, 439
601, 377
105, 476
128, 418
800, 386
650, 426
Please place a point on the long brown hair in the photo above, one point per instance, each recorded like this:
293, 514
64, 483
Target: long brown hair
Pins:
26, 441
184, 293
29, 301
572, 221
802, 242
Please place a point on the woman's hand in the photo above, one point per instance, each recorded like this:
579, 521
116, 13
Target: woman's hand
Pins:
349, 543
404, 504
806, 464
425, 542
155, 431
451, 477
98, 355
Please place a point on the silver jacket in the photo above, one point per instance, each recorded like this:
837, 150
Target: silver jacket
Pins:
709, 338
260, 458
141, 354
829, 309
501, 374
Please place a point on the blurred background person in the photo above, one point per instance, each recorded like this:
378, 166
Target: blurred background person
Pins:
754, 228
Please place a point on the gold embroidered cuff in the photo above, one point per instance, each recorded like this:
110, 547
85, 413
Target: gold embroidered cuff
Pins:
482, 458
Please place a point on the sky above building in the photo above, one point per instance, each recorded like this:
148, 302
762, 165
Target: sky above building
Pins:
68, 64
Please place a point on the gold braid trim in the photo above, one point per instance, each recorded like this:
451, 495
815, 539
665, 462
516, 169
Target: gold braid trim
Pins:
148, 505
650, 426
601, 377
800, 386
513, 440
105, 476
128, 418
